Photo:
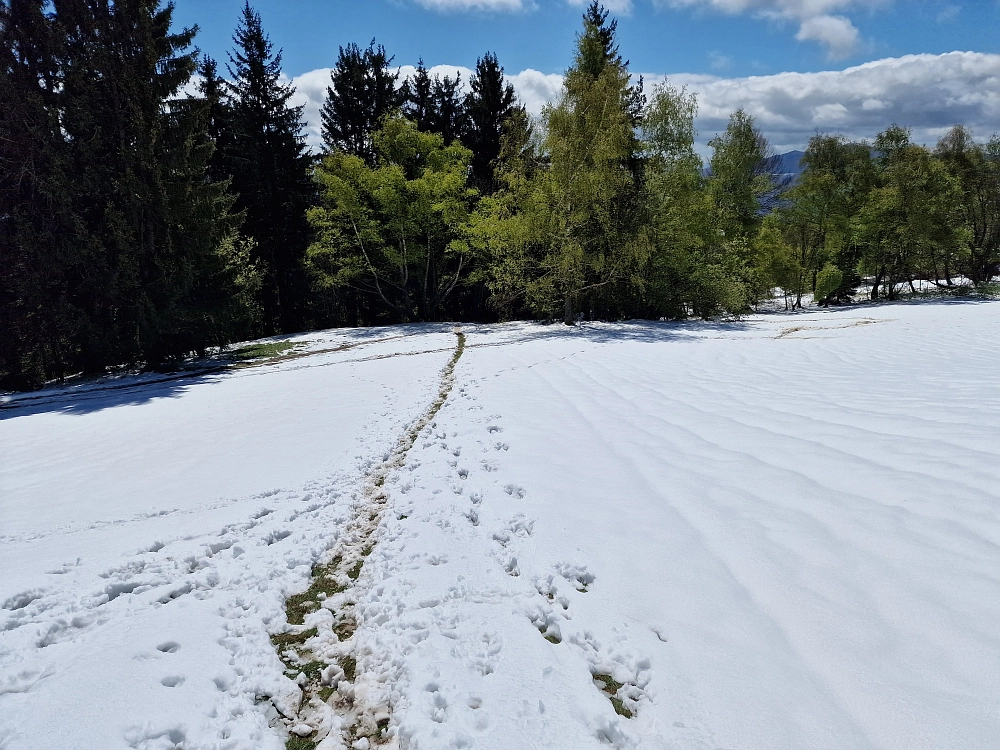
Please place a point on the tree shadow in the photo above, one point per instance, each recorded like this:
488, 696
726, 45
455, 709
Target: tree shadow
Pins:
127, 390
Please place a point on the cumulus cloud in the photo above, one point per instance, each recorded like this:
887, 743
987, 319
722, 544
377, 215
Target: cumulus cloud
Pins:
623, 7
819, 20
928, 93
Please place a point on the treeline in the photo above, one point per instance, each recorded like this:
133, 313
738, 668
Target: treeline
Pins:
141, 220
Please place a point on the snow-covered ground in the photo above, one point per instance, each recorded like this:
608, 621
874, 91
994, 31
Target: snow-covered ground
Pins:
776, 534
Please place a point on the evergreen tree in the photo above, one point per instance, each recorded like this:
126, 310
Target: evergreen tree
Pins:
448, 114
489, 107
362, 92
37, 261
213, 89
435, 105
151, 223
580, 229
417, 95
265, 155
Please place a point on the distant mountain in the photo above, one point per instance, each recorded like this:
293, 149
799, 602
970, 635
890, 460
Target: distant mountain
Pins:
790, 165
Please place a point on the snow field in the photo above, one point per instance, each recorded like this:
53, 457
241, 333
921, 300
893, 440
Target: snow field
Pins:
149, 536
775, 534
780, 533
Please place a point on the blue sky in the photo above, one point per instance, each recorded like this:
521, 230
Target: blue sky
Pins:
699, 38
729, 52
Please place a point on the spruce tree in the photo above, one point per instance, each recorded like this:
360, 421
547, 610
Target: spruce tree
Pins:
362, 92
417, 95
489, 107
266, 156
149, 220
37, 248
448, 117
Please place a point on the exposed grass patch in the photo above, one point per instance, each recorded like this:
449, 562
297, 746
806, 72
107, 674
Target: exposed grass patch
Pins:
620, 708
312, 669
611, 685
350, 666
300, 743
354, 572
611, 688
297, 606
262, 351
284, 641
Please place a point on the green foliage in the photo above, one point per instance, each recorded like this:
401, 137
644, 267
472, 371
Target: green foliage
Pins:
910, 223
828, 281
264, 154
568, 234
395, 233
361, 94
113, 243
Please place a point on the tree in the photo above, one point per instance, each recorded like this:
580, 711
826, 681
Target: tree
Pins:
689, 270
397, 233
116, 232
742, 179
816, 214
910, 221
417, 94
361, 94
976, 167
489, 107
579, 232
36, 216
265, 155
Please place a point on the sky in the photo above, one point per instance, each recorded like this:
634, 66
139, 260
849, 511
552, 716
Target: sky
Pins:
799, 66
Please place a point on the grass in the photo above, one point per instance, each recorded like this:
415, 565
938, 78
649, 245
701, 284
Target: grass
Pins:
611, 688
312, 669
283, 641
262, 351
350, 666
300, 743
298, 606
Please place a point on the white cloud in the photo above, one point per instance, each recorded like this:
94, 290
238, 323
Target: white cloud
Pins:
819, 20
928, 93
536, 89
459, 5
836, 32
615, 6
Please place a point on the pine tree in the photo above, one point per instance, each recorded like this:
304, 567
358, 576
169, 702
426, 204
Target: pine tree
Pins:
573, 232
36, 220
435, 105
448, 118
265, 155
489, 107
150, 221
213, 89
362, 92
417, 94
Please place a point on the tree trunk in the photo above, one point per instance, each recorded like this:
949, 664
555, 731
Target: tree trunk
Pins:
877, 283
568, 310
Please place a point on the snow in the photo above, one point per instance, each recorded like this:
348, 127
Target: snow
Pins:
776, 533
